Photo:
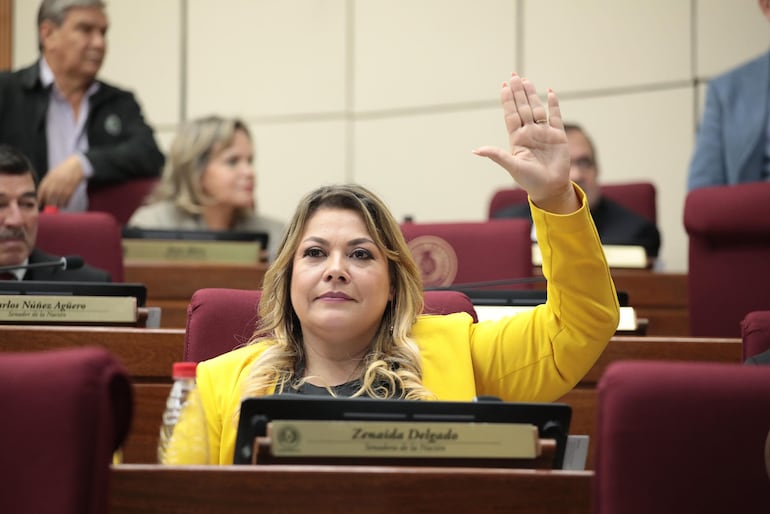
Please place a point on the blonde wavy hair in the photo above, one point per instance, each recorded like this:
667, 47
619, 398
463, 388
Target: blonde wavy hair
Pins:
392, 367
194, 145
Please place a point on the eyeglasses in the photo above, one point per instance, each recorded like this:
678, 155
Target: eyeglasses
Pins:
584, 163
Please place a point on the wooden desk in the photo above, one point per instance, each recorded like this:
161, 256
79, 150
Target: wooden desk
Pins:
660, 298
149, 354
584, 400
171, 285
138, 489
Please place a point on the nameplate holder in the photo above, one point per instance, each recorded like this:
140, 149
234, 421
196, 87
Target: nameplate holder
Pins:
403, 442
618, 256
628, 321
225, 252
55, 309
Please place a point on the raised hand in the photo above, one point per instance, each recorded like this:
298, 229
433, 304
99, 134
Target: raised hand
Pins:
539, 157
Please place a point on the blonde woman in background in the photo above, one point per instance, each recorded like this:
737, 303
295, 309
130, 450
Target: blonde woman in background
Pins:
208, 183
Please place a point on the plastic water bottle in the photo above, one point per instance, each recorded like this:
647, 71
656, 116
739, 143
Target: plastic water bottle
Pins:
183, 436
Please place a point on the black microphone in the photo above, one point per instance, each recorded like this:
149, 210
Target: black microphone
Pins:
64, 263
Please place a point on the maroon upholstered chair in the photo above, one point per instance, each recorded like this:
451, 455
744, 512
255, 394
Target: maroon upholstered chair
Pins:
635, 196
755, 333
220, 320
95, 236
64, 414
506, 197
682, 437
639, 197
729, 252
471, 252
120, 200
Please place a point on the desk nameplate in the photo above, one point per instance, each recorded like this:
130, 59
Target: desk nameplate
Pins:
399, 439
627, 322
67, 309
618, 256
154, 250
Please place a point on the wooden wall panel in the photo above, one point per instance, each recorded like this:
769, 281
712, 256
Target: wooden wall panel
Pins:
6, 33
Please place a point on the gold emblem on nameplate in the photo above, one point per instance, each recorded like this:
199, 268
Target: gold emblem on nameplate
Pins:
436, 259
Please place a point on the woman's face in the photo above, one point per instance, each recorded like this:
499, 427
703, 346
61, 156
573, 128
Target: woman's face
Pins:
229, 176
340, 285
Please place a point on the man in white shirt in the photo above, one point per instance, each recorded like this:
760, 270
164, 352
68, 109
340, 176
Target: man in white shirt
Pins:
74, 128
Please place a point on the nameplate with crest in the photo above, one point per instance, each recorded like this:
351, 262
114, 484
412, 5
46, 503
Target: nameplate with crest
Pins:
226, 252
402, 439
41, 309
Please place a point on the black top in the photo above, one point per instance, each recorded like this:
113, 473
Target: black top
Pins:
616, 224
307, 389
121, 144
345, 390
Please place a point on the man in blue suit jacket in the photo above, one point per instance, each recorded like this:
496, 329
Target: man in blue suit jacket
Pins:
733, 143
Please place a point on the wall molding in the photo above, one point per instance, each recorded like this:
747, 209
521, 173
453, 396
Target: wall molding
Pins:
6, 34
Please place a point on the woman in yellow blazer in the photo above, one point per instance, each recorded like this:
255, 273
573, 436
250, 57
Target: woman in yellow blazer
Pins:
341, 303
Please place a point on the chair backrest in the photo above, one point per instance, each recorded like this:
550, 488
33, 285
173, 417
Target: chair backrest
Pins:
220, 320
639, 197
64, 414
95, 236
470, 252
120, 200
506, 197
729, 252
755, 333
682, 437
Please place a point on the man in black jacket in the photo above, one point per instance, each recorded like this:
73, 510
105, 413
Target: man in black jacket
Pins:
74, 128
19, 215
616, 224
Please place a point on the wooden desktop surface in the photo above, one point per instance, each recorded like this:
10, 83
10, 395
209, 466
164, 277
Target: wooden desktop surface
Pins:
144, 489
171, 285
149, 355
660, 298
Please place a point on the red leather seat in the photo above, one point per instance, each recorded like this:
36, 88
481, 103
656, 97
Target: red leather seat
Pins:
120, 200
220, 320
471, 252
729, 252
64, 414
682, 437
639, 197
755, 333
95, 236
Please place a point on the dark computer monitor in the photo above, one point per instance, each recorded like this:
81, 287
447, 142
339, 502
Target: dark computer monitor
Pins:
43, 288
195, 235
551, 419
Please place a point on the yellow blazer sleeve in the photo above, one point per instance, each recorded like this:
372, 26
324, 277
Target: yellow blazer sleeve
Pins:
542, 354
